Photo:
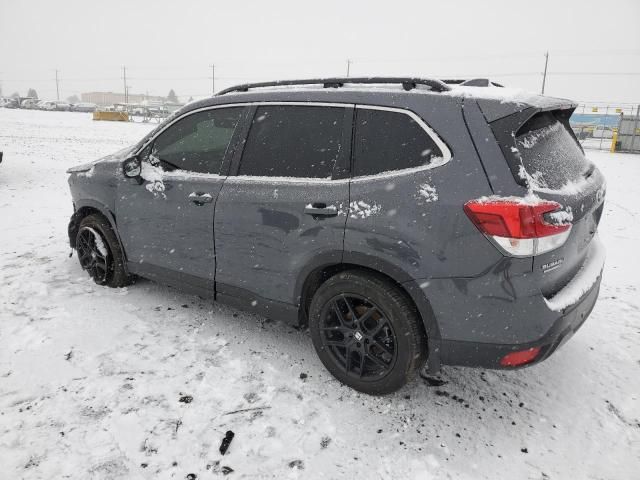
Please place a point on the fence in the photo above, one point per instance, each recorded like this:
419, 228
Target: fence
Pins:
613, 128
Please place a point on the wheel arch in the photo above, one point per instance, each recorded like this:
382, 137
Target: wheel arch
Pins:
90, 207
316, 276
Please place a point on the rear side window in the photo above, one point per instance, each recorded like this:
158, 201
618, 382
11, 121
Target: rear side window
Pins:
549, 154
293, 141
198, 142
387, 140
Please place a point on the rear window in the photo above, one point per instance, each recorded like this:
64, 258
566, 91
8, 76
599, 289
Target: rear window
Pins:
550, 155
293, 141
387, 140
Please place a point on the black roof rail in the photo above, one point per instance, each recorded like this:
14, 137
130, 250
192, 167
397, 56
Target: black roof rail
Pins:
408, 83
472, 82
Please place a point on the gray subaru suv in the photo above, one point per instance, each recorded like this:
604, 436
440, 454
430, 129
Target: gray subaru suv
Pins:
404, 220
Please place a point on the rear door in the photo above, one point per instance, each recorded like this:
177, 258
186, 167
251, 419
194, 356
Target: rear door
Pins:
166, 223
283, 210
545, 156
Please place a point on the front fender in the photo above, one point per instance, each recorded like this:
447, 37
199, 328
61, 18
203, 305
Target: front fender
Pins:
88, 207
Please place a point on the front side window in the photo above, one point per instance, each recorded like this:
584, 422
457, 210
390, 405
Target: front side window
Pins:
197, 142
388, 140
293, 141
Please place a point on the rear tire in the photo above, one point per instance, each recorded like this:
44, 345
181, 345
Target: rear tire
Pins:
99, 252
367, 332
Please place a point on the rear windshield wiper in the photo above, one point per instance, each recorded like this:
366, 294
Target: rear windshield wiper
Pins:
589, 171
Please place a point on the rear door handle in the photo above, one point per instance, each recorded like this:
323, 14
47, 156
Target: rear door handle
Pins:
200, 198
321, 209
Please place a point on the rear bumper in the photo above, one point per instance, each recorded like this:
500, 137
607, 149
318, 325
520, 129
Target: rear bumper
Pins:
480, 320
488, 355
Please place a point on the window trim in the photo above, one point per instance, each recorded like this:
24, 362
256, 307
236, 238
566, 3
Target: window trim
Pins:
342, 162
446, 152
242, 126
228, 152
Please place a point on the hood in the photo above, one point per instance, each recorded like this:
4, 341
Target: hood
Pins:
116, 157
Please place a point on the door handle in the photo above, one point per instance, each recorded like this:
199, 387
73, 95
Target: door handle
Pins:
321, 210
200, 198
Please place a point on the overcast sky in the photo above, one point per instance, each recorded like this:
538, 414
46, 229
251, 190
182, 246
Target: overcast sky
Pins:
594, 46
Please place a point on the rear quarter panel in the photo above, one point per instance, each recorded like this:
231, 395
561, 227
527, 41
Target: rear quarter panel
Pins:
414, 221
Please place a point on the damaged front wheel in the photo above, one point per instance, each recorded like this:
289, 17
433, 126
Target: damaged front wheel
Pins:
99, 252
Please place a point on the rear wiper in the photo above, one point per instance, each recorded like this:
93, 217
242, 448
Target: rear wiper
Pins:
589, 171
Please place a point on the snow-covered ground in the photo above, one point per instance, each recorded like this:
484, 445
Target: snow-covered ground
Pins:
143, 382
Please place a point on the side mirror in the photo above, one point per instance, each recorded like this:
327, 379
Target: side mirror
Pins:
132, 167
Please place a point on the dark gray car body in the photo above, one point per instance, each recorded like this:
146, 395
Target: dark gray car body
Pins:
254, 246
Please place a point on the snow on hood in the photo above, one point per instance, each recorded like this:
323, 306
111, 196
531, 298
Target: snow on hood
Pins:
118, 156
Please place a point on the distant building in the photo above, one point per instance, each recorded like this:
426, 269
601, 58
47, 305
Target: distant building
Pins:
109, 98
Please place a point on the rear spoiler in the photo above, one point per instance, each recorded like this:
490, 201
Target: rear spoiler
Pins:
495, 109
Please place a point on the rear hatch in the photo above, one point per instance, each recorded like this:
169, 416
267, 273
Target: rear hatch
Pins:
545, 157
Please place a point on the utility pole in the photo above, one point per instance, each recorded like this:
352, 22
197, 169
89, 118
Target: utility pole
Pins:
348, 67
213, 79
124, 76
57, 87
544, 75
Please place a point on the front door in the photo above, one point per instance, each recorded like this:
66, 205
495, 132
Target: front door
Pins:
166, 223
285, 208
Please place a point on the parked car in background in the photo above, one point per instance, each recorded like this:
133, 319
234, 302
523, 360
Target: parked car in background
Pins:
11, 103
406, 223
140, 110
47, 105
84, 107
29, 103
602, 131
158, 110
62, 106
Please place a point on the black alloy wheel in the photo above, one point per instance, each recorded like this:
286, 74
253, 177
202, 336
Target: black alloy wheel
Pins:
367, 331
93, 254
359, 336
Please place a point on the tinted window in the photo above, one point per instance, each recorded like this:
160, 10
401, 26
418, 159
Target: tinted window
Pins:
293, 141
549, 153
197, 142
390, 141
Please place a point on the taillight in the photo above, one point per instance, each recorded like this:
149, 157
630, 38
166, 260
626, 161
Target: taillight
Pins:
515, 359
518, 227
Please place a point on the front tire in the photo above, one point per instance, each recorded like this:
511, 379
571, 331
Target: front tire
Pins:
367, 332
99, 252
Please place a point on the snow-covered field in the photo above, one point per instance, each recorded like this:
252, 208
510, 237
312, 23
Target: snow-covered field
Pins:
143, 382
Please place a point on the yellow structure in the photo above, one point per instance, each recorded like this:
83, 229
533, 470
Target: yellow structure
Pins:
111, 116
614, 140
